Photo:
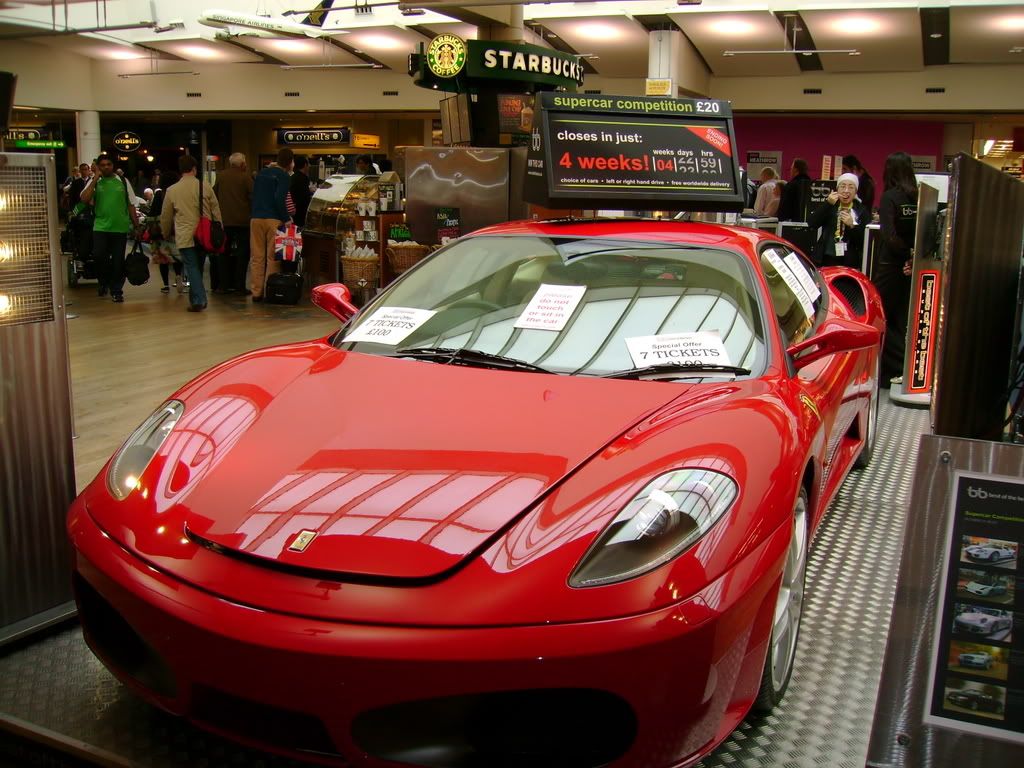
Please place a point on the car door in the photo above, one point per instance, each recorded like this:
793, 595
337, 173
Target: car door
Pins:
801, 301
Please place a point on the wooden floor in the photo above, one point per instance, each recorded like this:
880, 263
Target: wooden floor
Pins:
127, 358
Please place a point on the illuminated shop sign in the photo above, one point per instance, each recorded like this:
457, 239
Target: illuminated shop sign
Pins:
305, 136
39, 144
26, 134
127, 141
446, 66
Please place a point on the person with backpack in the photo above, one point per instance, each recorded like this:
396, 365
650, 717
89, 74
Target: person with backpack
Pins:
115, 218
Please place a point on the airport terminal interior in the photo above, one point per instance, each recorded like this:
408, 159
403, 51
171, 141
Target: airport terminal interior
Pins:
511, 384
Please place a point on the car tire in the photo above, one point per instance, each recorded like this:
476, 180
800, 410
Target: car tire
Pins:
871, 420
778, 664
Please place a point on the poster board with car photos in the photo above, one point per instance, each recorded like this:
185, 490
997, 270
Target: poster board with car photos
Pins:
953, 676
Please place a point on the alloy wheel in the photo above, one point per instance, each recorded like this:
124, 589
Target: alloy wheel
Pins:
790, 601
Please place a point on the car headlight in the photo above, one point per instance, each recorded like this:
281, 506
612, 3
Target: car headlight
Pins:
669, 515
131, 461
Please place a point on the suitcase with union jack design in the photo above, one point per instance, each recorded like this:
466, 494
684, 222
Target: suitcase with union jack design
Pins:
286, 287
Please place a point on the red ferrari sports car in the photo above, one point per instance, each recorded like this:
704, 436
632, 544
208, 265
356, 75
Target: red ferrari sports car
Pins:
546, 501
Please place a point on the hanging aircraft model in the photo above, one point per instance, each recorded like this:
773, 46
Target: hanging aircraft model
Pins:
267, 26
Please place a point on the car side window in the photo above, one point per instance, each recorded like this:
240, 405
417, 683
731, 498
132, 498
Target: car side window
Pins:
795, 290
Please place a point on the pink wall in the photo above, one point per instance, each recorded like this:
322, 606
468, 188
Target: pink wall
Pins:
871, 139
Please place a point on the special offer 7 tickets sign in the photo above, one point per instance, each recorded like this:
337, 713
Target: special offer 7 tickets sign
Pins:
633, 152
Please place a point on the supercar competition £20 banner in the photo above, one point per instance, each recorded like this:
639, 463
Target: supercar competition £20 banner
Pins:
633, 153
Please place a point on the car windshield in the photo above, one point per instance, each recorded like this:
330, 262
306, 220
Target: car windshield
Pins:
571, 306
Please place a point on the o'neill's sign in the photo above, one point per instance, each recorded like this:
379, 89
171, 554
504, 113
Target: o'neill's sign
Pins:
451, 64
306, 136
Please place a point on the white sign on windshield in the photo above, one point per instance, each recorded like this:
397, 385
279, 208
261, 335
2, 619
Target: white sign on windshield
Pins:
551, 307
390, 325
797, 268
791, 280
683, 349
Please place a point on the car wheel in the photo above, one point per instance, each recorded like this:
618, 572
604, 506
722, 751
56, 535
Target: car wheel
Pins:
871, 428
778, 665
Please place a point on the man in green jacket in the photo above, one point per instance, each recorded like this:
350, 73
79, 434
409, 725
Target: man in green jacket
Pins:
115, 218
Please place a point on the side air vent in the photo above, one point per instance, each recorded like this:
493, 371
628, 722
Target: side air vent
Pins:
812, 91
193, 95
291, 94
934, 90
389, 93
851, 291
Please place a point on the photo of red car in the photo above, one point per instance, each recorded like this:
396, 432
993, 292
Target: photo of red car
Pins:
545, 501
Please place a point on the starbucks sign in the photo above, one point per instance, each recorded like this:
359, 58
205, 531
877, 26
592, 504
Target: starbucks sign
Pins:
446, 55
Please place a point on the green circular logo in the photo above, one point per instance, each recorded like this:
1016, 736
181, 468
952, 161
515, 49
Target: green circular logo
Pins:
446, 55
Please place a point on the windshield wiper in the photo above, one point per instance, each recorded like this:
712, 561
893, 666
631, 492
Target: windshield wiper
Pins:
469, 357
682, 370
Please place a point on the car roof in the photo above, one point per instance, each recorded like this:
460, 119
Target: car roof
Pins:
652, 230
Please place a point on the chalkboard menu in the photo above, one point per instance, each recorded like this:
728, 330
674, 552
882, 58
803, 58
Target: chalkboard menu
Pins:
633, 152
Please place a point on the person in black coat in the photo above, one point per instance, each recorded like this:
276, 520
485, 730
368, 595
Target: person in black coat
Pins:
793, 205
842, 218
897, 213
866, 186
299, 187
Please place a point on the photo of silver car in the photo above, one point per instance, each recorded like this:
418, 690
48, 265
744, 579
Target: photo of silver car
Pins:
986, 590
978, 660
990, 553
982, 621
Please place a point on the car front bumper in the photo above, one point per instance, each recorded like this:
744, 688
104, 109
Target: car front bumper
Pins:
652, 690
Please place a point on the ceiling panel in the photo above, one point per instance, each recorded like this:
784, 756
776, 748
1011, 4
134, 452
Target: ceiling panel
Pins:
299, 51
619, 42
390, 46
94, 48
713, 33
201, 50
985, 34
458, 28
888, 39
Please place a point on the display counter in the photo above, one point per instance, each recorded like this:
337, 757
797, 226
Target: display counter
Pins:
347, 228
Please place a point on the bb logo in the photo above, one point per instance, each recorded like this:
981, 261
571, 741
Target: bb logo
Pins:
976, 493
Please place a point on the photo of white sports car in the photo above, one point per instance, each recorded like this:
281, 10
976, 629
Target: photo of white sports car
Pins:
979, 660
990, 553
986, 590
986, 622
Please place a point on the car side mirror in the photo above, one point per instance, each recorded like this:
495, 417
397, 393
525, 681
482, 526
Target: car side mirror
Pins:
336, 299
836, 335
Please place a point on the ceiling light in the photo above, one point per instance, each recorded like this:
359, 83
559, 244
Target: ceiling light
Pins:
989, 143
732, 27
200, 52
123, 54
597, 30
382, 42
935, 35
290, 46
854, 53
856, 25
1015, 49
1011, 23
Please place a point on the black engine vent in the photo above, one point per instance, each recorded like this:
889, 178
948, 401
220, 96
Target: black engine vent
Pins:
934, 90
291, 94
812, 91
389, 93
193, 95
851, 291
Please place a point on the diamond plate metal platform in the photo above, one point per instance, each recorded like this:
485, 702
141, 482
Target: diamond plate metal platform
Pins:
825, 718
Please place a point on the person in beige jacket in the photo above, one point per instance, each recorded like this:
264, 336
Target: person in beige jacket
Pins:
181, 214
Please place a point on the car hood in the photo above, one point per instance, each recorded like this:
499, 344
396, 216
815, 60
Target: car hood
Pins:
379, 467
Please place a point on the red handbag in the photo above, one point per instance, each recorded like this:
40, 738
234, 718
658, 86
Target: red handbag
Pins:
209, 234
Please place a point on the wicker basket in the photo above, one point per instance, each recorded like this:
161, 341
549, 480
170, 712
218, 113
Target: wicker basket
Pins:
354, 270
402, 257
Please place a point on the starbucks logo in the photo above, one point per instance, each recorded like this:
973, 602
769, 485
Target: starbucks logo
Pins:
446, 55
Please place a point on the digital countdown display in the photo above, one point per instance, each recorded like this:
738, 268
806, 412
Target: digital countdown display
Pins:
633, 153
